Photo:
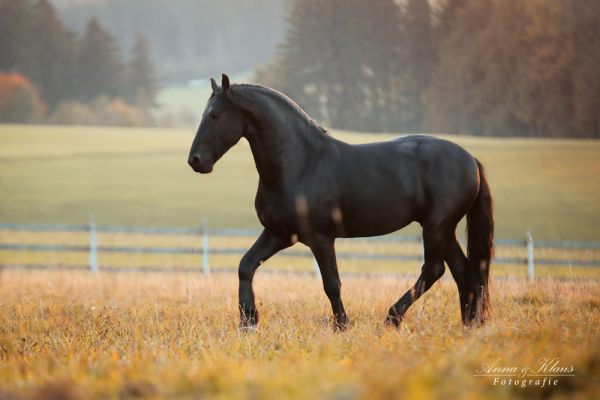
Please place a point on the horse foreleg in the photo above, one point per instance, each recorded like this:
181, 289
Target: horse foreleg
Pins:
324, 251
265, 246
432, 270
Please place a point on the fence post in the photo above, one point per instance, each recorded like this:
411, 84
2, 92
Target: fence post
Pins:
205, 265
530, 262
93, 252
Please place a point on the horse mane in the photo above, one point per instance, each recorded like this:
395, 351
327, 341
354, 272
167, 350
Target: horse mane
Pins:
278, 97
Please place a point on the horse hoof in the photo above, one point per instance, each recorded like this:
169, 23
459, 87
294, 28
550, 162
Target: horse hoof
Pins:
340, 326
248, 317
248, 328
474, 322
472, 318
246, 322
393, 320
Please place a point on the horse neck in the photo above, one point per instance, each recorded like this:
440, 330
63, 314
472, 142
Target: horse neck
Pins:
282, 144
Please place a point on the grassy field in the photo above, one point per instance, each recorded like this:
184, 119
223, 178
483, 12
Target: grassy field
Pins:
75, 336
140, 177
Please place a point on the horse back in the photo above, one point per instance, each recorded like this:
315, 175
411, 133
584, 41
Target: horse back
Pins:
385, 186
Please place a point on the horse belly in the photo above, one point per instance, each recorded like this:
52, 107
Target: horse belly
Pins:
375, 224
378, 214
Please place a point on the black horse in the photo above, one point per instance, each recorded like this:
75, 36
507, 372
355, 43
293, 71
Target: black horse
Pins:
314, 189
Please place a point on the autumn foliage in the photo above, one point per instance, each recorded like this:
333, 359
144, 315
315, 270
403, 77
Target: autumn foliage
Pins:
19, 99
71, 74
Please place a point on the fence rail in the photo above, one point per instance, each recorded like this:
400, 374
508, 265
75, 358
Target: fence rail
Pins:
204, 234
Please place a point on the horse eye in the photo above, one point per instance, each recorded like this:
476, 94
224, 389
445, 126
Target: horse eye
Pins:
214, 115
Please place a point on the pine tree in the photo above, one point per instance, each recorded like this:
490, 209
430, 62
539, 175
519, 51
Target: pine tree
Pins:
460, 97
99, 64
487, 67
53, 55
340, 59
583, 24
419, 61
446, 18
15, 24
543, 88
381, 52
300, 58
142, 81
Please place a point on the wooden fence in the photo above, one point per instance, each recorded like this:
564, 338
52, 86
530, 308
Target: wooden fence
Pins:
204, 250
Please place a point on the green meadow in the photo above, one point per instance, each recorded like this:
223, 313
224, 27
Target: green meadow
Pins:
133, 176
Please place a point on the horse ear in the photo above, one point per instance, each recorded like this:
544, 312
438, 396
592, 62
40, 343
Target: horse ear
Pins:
215, 88
225, 82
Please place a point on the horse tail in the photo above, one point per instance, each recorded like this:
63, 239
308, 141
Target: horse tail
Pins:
480, 245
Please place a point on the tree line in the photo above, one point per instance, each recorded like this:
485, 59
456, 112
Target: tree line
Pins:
191, 39
484, 67
65, 69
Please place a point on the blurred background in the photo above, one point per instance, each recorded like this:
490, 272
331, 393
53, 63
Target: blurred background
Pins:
482, 67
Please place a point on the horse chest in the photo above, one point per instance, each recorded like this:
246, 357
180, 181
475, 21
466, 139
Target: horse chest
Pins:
275, 214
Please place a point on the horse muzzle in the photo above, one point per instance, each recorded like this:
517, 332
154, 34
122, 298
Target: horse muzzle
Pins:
200, 164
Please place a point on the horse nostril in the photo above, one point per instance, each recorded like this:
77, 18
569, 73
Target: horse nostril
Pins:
200, 164
194, 160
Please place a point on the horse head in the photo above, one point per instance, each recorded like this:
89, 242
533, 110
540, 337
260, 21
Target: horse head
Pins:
223, 124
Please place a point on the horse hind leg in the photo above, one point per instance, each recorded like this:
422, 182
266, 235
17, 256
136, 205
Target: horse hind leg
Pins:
457, 262
467, 281
432, 270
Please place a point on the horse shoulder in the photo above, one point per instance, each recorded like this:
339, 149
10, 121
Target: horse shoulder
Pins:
274, 210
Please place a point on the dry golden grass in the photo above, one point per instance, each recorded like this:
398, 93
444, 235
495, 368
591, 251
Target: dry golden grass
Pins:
76, 335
